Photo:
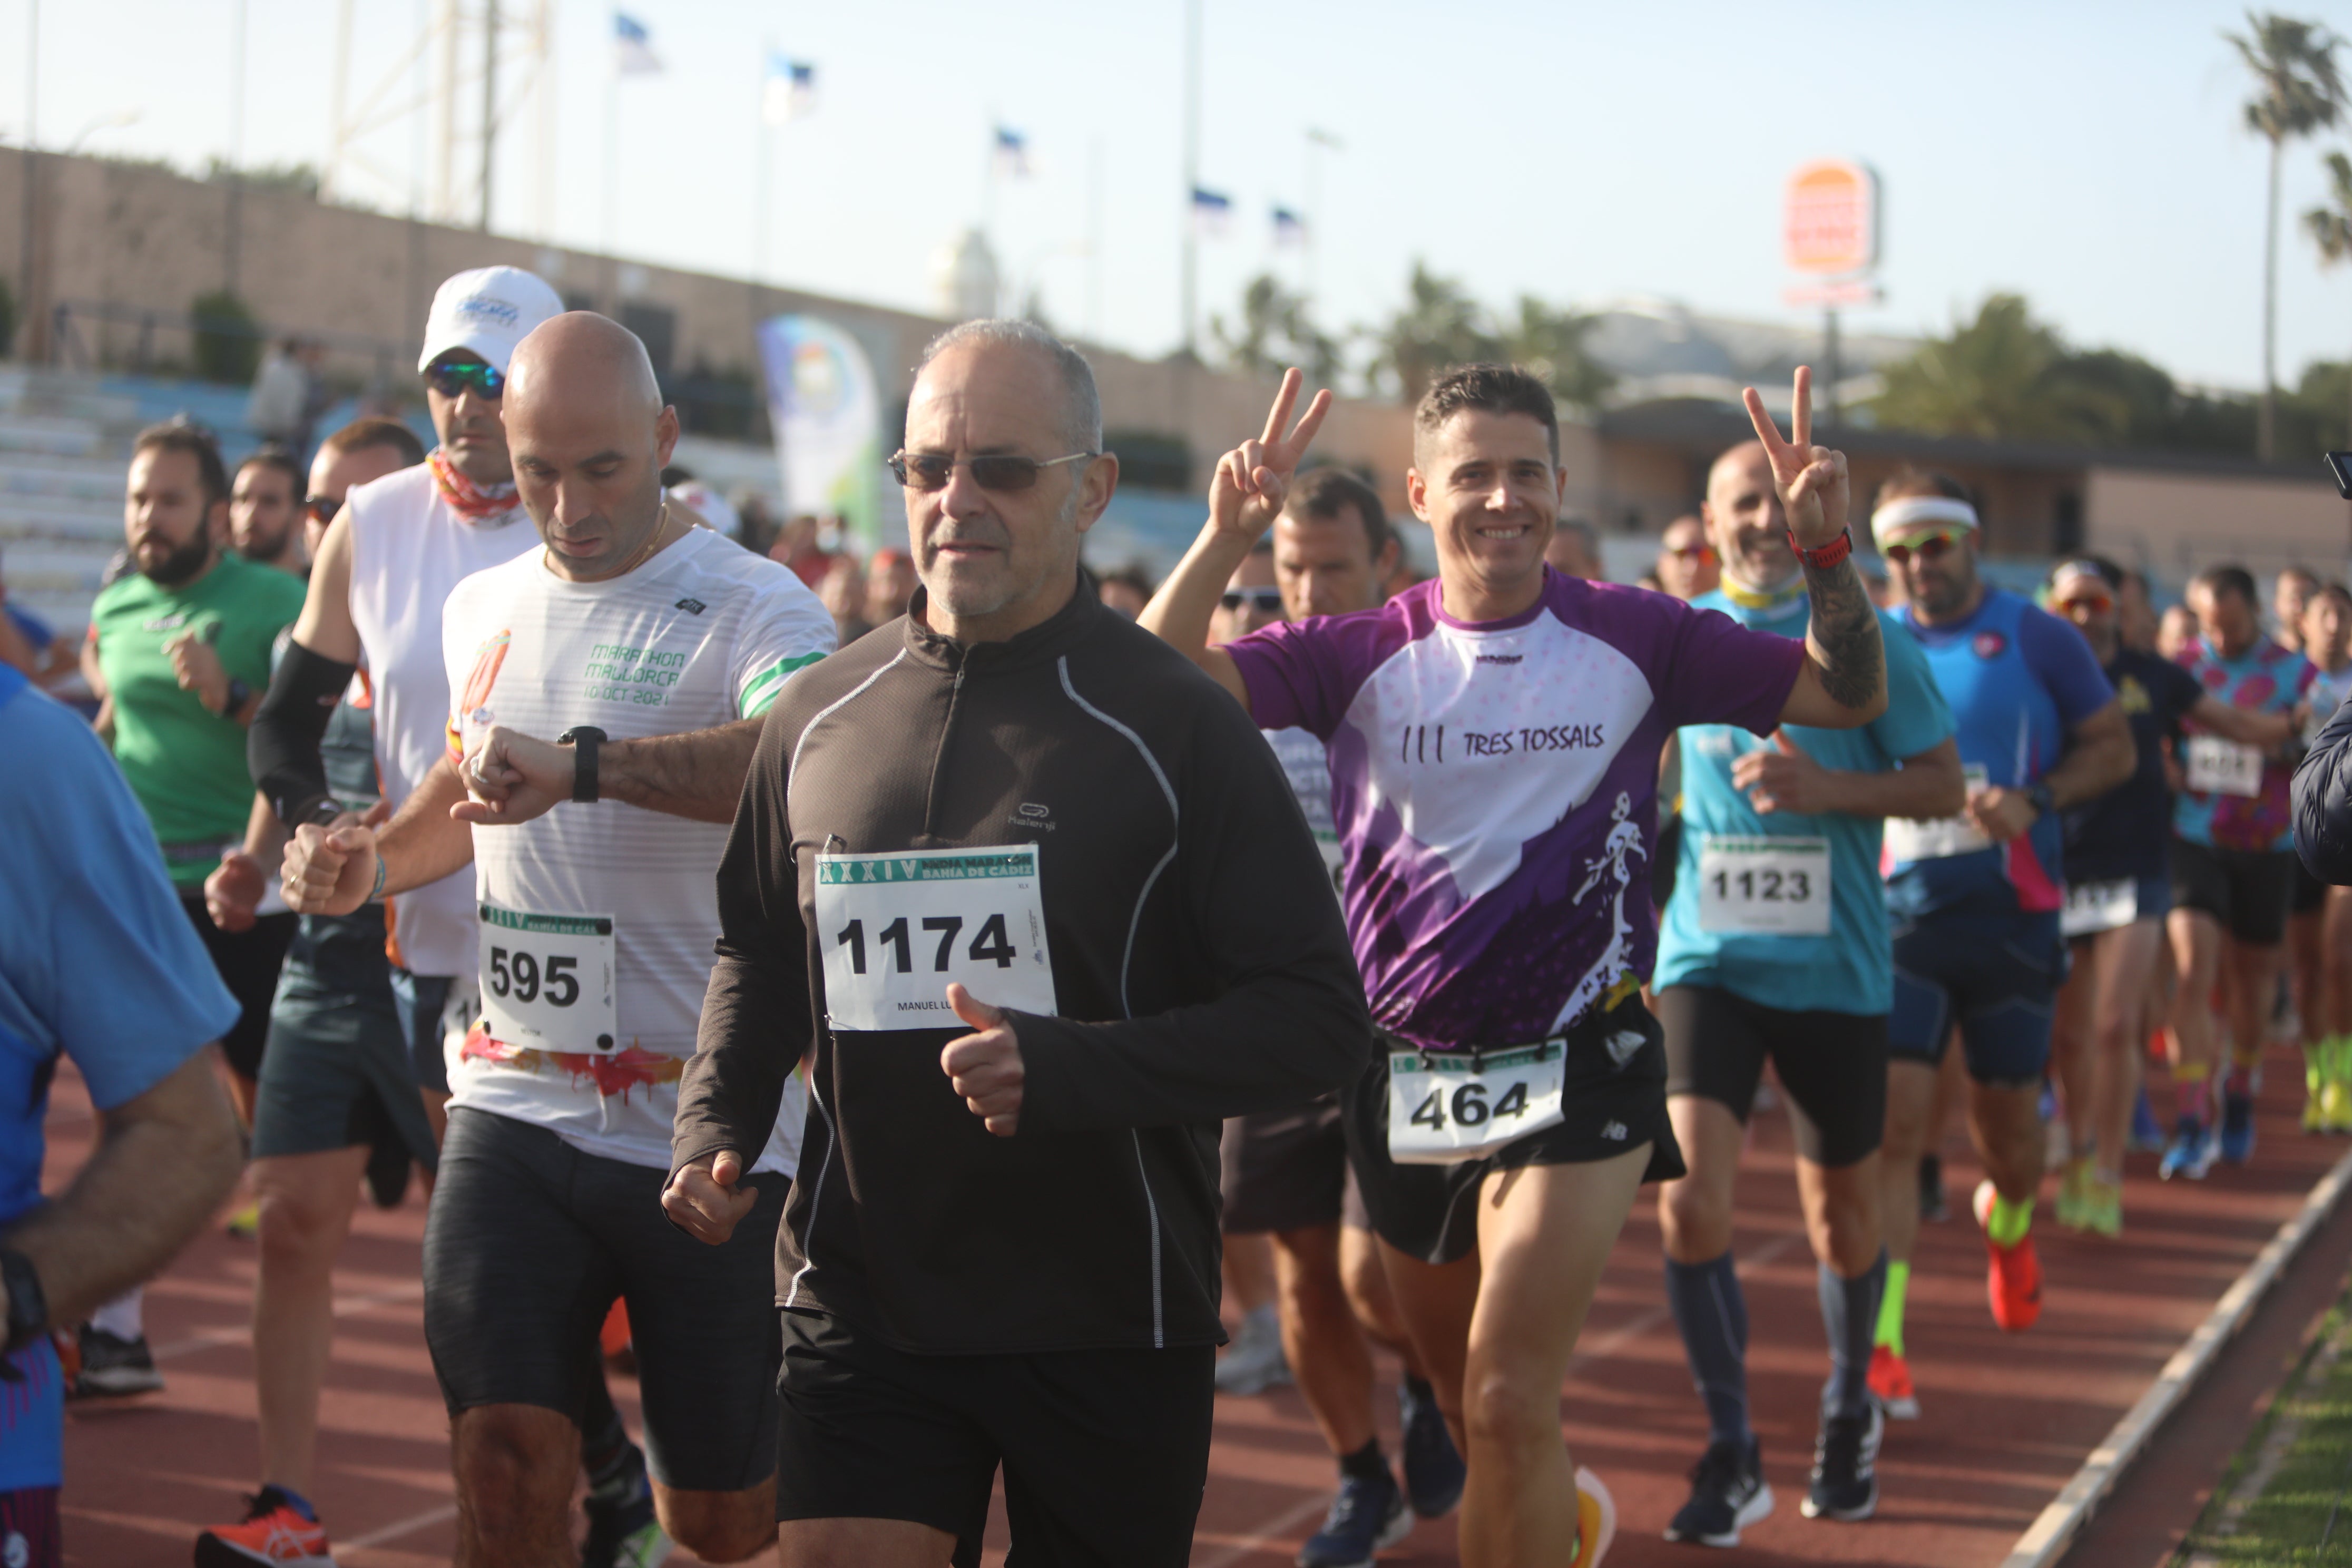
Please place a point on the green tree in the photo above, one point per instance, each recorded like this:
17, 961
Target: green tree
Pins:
228, 346
1275, 332
2330, 226
1440, 325
1991, 378
2297, 90
1549, 341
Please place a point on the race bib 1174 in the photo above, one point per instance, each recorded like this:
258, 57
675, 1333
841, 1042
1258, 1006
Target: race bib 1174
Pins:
896, 929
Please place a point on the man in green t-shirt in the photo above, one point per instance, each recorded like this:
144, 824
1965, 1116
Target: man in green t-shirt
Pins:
179, 653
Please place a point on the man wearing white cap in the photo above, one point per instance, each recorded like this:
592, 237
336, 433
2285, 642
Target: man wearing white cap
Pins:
1975, 898
383, 569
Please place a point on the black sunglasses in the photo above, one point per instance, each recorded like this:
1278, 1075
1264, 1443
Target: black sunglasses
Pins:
993, 472
322, 509
454, 378
1255, 598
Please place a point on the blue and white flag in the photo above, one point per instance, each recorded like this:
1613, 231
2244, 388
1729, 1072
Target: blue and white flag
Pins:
1012, 153
633, 53
1210, 211
791, 91
1289, 228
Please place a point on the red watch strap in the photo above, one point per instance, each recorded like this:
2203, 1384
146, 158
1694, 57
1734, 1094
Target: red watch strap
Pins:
1828, 555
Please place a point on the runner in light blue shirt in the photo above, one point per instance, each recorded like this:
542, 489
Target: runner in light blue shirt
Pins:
1775, 944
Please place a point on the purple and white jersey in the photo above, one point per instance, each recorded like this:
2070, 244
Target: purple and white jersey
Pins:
1493, 786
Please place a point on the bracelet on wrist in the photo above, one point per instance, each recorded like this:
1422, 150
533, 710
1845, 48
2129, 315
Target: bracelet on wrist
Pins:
377, 891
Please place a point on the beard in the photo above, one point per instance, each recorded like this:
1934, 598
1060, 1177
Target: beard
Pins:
264, 548
184, 564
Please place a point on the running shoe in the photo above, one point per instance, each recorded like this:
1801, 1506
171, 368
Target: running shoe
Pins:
1890, 1381
1845, 1467
2192, 1152
2012, 1274
2237, 1126
2103, 1208
1366, 1516
1727, 1492
112, 1367
2147, 1131
1433, 1470
1253, 1362
1596, 1519
2073, 1193
624, 1533
245, 1224
2336, 1106
273, 1531
1932, 1205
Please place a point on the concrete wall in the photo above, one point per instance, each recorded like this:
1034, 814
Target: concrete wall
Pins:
149, 239
2176, 523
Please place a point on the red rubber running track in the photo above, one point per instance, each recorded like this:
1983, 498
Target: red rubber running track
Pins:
2008, 1418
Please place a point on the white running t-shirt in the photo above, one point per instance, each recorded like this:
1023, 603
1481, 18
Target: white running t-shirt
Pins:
409, 548
598, 922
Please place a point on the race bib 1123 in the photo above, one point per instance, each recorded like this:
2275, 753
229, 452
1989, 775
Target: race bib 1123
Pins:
896, 929
1764, 887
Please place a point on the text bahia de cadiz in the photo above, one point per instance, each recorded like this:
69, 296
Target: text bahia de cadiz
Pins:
619, 674
1431, 743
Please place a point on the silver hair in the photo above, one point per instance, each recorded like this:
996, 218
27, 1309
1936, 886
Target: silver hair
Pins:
1082, 416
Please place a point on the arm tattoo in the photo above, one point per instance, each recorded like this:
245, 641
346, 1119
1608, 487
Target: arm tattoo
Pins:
698, 775
1846, 632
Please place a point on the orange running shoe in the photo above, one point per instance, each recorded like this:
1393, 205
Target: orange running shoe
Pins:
1596, 1519
1890, 1380
274, 1533
2012, 1274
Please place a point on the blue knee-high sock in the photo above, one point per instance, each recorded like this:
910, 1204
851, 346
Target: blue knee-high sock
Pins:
1850, 1316
1713, 1318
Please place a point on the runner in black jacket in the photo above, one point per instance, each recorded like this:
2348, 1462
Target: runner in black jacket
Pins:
2322, 802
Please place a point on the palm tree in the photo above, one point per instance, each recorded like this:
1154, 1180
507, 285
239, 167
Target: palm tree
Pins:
1275, 331
2003, 375
2298, 91
1549, 341
2330, 226
1441, 326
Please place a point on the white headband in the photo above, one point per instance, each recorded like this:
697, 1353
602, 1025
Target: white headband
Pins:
1896, 516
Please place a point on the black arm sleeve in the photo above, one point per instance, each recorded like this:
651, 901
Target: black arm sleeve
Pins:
757, 1016
281, 748
2322, 802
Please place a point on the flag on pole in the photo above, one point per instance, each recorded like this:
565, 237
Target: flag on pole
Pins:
1289, 228
633, 53
1210, 211
791, 91
1012, 153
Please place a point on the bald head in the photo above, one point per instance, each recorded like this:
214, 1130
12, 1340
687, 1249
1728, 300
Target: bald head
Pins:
1744, 520
1739, 466
590, 436
585, 358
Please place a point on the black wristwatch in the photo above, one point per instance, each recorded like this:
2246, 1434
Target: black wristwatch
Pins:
239, 694
2038, 796
29, 1304
584, 739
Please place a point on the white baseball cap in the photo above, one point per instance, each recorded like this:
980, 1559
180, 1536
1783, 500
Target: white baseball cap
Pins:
488, 310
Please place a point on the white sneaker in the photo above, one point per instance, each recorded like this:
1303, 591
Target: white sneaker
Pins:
1253, 1362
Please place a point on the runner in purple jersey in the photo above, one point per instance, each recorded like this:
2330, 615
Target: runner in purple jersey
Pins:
1493, 740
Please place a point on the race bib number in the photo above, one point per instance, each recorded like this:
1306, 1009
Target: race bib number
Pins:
1909, 839
896, 928
2095, 907
1445, 1107
1764, 887
2217, 766
546, 980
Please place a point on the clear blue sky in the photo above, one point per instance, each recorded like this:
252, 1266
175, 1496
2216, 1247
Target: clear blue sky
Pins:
2089, 155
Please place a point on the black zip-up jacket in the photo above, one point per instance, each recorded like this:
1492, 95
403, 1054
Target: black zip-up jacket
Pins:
2322, 799
1201, 971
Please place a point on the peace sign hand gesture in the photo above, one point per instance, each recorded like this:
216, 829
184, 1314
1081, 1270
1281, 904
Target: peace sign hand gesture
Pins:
1814, 492
1253, 478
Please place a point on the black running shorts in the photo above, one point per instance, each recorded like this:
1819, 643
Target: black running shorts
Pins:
1105, 1452
1833, 1066
2247, 891
247, 963
1284, 1170
1431, 1212
337, 1074
2310, 892
527, 1242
